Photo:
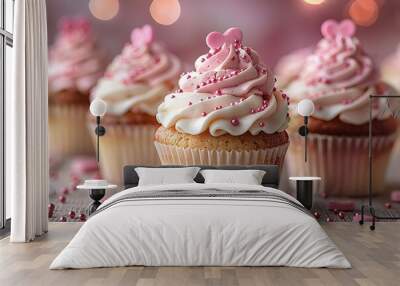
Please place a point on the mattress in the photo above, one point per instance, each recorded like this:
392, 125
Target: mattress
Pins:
201, 225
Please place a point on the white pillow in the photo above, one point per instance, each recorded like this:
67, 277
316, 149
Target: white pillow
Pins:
248, 177
166, 176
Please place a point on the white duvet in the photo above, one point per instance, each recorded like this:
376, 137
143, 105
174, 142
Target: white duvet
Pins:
200, 231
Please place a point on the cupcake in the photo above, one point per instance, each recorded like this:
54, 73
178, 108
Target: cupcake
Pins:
75, 65
390, 71
289, 67
133, 86
339, 77
226, 112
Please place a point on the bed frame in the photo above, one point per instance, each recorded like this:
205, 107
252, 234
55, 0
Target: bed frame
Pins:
271, 177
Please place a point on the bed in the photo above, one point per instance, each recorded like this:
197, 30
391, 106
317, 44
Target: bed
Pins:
198, 224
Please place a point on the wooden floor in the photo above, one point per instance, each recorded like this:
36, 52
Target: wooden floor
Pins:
375, 257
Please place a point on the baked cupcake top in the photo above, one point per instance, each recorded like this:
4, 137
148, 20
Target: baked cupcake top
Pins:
391, 69
290, 66
75, 63
339, 77
230, 92
138, 79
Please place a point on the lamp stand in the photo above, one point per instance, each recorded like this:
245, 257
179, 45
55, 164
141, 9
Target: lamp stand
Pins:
100, 131
370, 206
303, 131
305, 138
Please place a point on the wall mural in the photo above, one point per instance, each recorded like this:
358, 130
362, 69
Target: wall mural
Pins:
224, 96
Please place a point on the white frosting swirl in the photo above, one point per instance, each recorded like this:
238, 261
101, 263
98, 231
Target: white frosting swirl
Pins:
215, 114
122, 97
339, 77
230, 92
138, 79
350, 105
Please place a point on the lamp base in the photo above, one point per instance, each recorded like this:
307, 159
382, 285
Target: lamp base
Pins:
371, 210
96, 195
305, 193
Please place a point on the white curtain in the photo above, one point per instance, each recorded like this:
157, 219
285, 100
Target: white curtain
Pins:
26, 123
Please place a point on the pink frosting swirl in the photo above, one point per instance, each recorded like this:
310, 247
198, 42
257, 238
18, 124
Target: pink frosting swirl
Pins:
230, 91
339, 61
140, 76
339, 77
149, 63
74, 60
231, 69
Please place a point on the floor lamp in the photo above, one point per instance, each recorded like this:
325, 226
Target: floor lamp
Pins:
370, 206
98, 108
97, 188
304, 185
305, 108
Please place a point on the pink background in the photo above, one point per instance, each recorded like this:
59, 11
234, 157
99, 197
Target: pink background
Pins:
272, 27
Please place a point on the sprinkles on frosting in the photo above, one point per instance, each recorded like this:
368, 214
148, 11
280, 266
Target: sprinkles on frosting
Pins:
224, 79
341, 71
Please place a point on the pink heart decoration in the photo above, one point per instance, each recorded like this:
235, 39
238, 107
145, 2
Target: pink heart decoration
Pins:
232, 35
83, 24
215, 40
142, 36
347, 28
330, 29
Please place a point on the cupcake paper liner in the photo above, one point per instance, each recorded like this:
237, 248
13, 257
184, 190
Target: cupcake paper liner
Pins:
285, 184
68, 135
392, 176
341, 162
173, 155
125, 145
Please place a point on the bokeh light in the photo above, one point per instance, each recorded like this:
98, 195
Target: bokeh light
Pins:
165, 12
364, 12
314, 2
104, 9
